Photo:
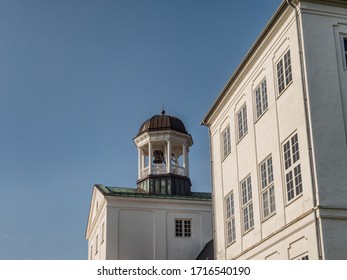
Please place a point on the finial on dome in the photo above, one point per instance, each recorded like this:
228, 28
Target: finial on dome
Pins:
162, 109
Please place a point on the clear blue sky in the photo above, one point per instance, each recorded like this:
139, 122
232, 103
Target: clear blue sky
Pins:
78, 78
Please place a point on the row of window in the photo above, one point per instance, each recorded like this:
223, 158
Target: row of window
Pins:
284, 78
293, 188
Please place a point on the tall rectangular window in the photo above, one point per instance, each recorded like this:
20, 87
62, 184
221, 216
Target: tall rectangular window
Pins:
183, 228
102, 233
267, 188
292, 167
284, 72
261, 102
226, 142
247, 205
242, 122
96, 244
230, 218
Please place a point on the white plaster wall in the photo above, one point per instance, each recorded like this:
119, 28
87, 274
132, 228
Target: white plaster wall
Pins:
145, 228
265, 136
327, 89
136, 239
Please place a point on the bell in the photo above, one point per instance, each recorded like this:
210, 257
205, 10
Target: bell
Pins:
158, 156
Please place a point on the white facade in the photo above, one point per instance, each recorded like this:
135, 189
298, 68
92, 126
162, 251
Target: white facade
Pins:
161, 219
278, 141
130, 227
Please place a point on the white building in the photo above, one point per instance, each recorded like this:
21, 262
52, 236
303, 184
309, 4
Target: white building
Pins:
162, 218
278, 140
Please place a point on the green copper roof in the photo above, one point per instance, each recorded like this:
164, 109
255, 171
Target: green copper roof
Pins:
131, 192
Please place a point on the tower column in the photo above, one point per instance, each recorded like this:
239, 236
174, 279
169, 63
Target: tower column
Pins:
150, 158
185, 160
139, 162
168, 163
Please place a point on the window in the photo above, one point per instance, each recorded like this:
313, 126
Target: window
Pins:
96, 244
267, 188
230, 218
226, 142
302, 257
284, 72
261, 103
242, 122
292, 167
247, 205
183, 228
102, 233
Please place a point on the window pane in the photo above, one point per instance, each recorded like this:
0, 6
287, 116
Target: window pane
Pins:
187, 228
295, 148
287, 155
179, 231
245, 219
226, 141
251, 217
298, 180
280, 76
263, 175
232, 210
264, 95
270, 170
245, 127
240, 124
272, 199
289, 184
244, 192
265, 204
287, 67
258, 102
249, 188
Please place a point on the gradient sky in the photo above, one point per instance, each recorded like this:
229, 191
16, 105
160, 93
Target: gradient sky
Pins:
77, 80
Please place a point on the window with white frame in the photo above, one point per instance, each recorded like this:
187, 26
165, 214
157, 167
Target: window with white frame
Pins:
292, 167
226, 142
183, 228
284, 72
261, 103
267, 188
230, 218
247, 205
242, 122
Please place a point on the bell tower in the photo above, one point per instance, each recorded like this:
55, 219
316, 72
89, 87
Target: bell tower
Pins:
163, 156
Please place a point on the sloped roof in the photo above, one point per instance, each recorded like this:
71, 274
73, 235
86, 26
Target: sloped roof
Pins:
208, 252
132, 192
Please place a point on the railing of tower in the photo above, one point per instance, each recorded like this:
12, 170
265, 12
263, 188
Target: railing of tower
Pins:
158, 169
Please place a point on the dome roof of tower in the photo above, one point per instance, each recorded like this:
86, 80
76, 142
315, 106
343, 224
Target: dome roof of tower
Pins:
163, 122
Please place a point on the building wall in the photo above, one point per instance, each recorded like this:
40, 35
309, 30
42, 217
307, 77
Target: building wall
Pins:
145, 229
97, 235
324, 28
284, 117
312, 224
